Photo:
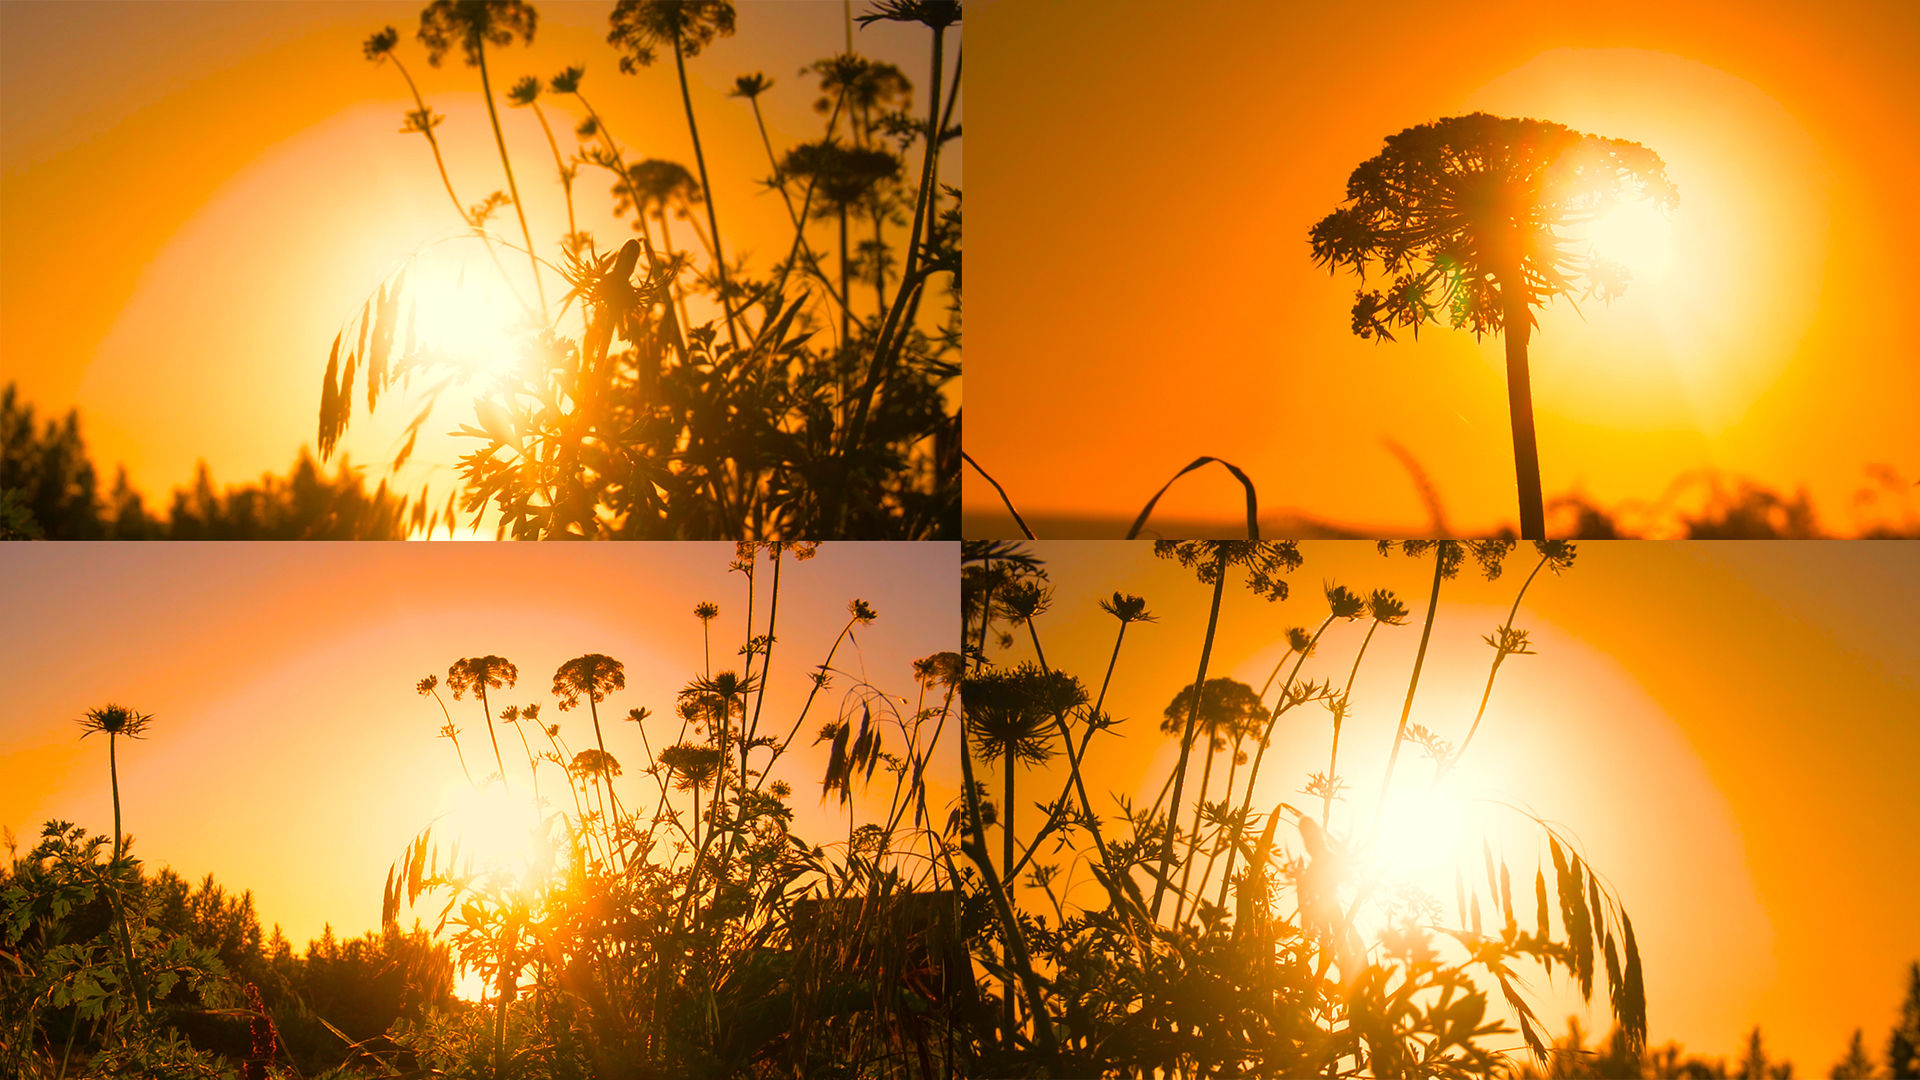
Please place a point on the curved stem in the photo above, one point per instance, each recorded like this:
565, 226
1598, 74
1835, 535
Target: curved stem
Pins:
1186, 740
1498, 657
1413, 683
513, 189
1266, 740
487, 710
427, 130
566, 177
700, 161
1333, 759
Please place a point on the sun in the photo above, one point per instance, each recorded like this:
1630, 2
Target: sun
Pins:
461, 311
1637, 235
1422, 831
504, 844
499, 835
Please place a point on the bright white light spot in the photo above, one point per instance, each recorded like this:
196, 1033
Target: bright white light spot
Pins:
1422, 833
499, 835
1638, 236
464, 313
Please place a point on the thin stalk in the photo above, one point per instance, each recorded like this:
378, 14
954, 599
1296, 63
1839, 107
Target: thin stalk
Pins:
1186, 740
1074, 779
766, 665
1498, 658
454, 738
1413, 683
1019, 962
1266, 740
700, 160
421, 105
1326, 798
134, 977
1193, 840
533, 764
566, 175
486, 90
606, 781
909, 276
487, 710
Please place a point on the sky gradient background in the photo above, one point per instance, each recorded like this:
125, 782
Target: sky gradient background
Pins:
1727, 729
289, 753
1145, 177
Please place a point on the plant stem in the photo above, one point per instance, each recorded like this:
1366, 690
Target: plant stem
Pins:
1193, 841
1326, 799
533, 261
134, 977
1186, 741
566, 177
1413, 683
1526, 453
1266, 739
700, 161
883, 346
1498, 657
487, 710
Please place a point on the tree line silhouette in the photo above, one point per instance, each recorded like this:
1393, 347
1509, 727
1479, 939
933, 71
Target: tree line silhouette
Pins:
50, 489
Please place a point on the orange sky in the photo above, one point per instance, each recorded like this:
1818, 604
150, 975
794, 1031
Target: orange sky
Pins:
289, 753
1146, 175
1726, 728
197, 196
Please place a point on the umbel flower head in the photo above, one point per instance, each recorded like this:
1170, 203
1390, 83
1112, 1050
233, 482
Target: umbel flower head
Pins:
640, 27
1128, 608
937, 14
471, 25
1465, 213
1266, 561
115, 720
1015, 712
481, 673
593, 676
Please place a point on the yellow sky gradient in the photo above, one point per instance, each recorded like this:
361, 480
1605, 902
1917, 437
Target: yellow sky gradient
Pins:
1727, 729
289, 753
1144, 294
198, 196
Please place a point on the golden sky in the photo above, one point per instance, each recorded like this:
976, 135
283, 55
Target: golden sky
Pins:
1727, 730
289, 753
197, 197
1143, 291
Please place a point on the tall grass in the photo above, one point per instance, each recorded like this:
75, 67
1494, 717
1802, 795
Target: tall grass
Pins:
795, 409
1313, 958
675, 924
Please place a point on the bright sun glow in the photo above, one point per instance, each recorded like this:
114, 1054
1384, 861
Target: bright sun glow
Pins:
1638, 236
498, 834
1422, 834
500, 838
464, 312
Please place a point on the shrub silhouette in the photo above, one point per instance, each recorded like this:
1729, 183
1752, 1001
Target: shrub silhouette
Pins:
644, 424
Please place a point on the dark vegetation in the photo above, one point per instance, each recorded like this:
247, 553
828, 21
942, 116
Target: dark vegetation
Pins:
815, 398
1210, 936
209, 982
50, 490
676, 925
